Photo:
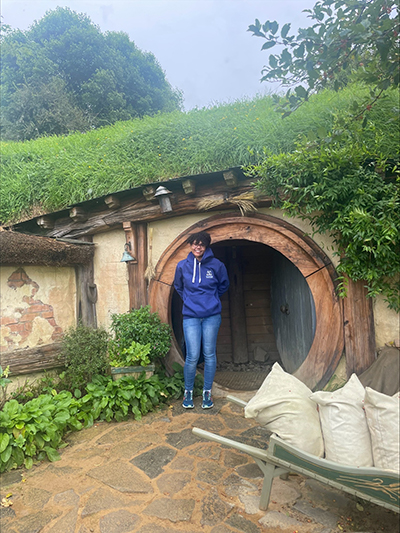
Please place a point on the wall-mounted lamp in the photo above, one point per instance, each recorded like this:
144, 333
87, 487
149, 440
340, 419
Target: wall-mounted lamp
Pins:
162, 195
126, 256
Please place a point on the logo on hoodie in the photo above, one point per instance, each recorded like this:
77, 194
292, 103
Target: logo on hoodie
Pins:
209, 274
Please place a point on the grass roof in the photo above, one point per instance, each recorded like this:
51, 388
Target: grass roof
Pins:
52, 173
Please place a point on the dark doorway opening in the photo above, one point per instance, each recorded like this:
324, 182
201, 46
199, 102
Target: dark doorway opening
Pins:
268, 315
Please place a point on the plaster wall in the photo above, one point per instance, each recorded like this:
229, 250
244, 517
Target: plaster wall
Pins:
387, 324
37, 304
324, 241
110, 276
163, 232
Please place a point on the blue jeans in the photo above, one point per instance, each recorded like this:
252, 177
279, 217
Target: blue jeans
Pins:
201, 333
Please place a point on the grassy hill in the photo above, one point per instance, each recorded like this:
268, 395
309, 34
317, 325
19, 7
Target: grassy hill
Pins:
53, 172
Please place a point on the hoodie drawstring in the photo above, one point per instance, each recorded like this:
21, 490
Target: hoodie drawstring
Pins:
194, 271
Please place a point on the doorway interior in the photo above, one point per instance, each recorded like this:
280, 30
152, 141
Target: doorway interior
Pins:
268, 315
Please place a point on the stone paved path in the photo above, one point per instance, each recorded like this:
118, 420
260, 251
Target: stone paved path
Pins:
155, 476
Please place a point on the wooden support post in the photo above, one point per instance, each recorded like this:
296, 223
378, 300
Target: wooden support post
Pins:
86, 292
359, 330
140, 282
136, 235
237, 307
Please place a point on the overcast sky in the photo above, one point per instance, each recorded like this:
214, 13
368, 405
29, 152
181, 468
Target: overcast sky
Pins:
202, 45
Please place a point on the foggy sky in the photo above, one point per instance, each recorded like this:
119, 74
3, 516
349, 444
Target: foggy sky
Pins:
202, 45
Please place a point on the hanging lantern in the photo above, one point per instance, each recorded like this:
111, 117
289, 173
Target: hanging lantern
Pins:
162, 195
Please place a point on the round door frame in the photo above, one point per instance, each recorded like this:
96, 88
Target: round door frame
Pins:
301, 250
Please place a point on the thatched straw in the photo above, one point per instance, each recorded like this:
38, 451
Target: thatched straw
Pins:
21, 249
245, 202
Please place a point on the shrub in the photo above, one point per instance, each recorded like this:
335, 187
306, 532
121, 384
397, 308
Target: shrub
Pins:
143, 327
84, 352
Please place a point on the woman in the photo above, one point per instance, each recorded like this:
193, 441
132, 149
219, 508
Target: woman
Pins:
200, 280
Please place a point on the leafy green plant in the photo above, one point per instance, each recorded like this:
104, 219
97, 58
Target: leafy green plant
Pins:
136, 354
108, 399
175, 384
44, 384
345, 39
4, 382
139, 326
84, 353
34, 430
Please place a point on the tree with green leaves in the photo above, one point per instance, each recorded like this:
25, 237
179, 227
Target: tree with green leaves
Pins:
348, 40
65, 75
344, 182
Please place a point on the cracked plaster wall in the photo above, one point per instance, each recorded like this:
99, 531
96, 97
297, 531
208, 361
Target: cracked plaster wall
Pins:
37, 304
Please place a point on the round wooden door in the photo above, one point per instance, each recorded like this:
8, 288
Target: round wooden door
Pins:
311, 262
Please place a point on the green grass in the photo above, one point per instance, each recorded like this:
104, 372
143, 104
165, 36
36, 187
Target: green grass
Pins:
53, 172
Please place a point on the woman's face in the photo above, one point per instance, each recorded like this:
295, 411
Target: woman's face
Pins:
198, 250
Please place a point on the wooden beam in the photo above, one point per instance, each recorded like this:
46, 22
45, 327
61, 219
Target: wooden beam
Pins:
131, 239
112, 202
189, 186
86, 295
45, 222
140, 283
78, 214
359, 328
148, 193
140, 210
231, 178
28, 360
137, 235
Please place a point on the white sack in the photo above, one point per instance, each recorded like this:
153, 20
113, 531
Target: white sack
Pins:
383, 416
344, 424
283, 406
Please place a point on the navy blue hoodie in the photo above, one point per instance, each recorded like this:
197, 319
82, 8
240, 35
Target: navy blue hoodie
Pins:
200, 284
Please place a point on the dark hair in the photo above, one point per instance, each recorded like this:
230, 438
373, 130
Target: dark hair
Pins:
201, 237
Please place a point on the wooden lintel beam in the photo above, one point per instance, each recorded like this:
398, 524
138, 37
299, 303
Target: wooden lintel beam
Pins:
141, 210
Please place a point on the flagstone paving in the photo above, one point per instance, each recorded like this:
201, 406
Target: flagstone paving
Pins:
155, 476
